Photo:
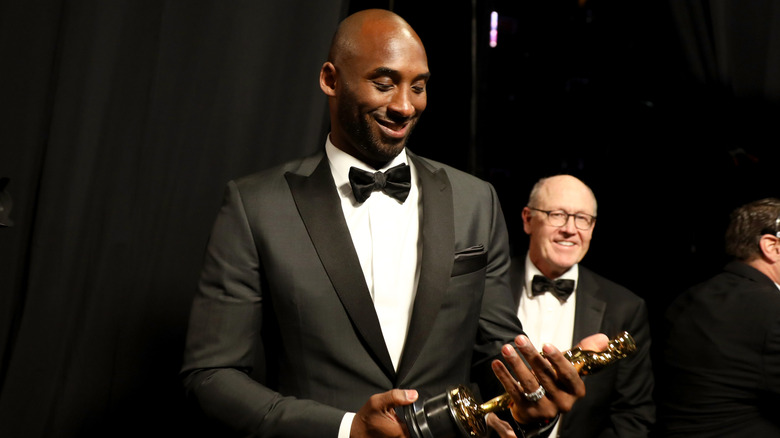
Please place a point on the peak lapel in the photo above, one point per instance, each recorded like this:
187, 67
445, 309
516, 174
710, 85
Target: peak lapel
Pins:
589, 312
320, 209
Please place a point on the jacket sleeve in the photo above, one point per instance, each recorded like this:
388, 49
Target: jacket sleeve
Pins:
498, 322
224, 329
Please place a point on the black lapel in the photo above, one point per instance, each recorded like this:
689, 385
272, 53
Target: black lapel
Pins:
320, 209
589, 312
517, 279
438, 236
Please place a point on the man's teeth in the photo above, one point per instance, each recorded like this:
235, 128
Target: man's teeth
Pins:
566, 243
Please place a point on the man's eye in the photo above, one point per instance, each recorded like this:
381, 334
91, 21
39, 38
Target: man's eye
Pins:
419, 89
382, 86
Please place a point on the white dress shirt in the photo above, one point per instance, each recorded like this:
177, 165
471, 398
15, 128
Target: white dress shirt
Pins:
547, 320
385, 234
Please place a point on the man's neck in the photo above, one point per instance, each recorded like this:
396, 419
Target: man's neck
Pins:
375, 165
766, 268
548, 271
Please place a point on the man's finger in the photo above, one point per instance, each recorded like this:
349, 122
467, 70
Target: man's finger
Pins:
597, 342
525, 376
501, 427
386, 401
561, 379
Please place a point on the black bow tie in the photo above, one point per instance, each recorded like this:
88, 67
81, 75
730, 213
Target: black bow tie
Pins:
560, 288
395, 182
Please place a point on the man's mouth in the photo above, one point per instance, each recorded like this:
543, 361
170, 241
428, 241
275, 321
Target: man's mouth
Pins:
393, 130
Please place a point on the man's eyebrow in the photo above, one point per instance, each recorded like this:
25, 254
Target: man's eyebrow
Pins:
387, 71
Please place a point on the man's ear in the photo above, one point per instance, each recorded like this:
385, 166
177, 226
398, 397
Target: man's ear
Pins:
328, 79
770, 247
526, 220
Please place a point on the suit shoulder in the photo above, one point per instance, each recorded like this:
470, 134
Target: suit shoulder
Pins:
609, 288
736, 287
274, 175
462, 182
452, 172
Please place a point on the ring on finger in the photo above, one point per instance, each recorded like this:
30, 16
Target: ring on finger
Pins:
535, 396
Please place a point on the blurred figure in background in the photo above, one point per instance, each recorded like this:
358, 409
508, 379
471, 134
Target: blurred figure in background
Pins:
722, 339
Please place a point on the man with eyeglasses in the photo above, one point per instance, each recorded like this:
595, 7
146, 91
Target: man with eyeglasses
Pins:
558, 301
721, 355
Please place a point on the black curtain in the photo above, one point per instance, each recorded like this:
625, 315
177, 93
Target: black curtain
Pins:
666, 109
732, 45
121, 123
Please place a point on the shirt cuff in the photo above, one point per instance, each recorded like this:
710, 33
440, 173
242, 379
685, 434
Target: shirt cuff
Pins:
346, 425
536, 430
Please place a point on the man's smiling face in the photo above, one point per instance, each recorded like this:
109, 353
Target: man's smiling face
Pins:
379, 93
556, 249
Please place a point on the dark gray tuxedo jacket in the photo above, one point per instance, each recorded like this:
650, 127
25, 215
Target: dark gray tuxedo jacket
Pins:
722, 358
281, 273
619, 398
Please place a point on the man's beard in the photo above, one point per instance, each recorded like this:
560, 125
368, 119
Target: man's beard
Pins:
367, 141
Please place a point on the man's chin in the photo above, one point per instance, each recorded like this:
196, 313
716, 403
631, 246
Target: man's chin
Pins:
387, 150
563, 264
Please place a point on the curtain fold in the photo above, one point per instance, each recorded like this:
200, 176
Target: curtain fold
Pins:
126, 120
731, 45
121, 122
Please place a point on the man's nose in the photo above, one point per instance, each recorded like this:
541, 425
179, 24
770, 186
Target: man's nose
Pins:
401, 104
569, 226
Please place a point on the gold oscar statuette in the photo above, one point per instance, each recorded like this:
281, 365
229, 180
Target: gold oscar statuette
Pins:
433, 418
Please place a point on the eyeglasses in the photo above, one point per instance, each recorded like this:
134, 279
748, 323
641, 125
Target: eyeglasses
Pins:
776, 231
559, 218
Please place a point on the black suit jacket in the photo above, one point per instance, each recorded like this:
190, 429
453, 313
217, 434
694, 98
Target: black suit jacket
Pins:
722, 358
281, 273
619, 399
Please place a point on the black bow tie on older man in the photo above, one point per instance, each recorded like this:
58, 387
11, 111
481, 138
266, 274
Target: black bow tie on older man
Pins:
560, 288
394, 182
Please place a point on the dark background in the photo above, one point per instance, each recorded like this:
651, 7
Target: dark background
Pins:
121, 122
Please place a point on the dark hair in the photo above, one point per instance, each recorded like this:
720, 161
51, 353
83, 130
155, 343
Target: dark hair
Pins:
748, 223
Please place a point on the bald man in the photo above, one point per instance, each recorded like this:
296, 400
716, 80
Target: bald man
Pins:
559, 300
365, 290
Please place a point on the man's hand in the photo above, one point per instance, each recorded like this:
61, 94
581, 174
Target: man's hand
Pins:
560, 380
377, 417
597, 342
502, 428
